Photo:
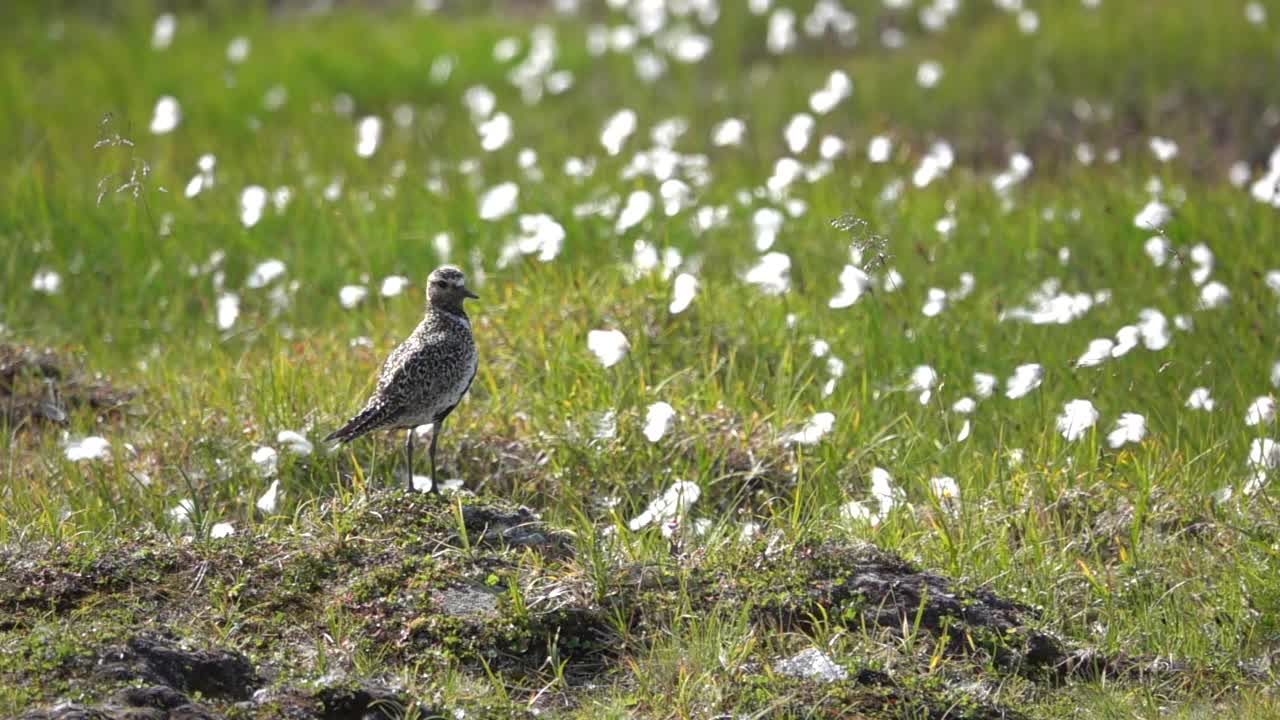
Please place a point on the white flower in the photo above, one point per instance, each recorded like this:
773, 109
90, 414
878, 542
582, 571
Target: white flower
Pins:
657, 420
166, 116
1153, 216
617, 129
89, 448
228, 310
728, 133
947, 491
772, 273
265, 458
984, 384
352, 295
1214, 295
1200, 400
499, 201
264, 273
267, 503
683, 289
494, 132
884, 492
1025, 379
253, 199
1099, 351
1130, 428
1076, 418
1264, 454
879, 149
393, 285
964, 406
639, 203
295, 442
48, 282
608, 345
675, 502
541, 234
222, 530
1262, 411
766, 223
368, 135
853, 283
818, 426
923, 378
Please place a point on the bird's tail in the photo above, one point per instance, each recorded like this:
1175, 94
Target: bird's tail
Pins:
368, 420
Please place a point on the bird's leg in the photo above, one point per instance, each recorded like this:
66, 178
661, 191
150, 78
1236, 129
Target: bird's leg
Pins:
435, 434
408, 454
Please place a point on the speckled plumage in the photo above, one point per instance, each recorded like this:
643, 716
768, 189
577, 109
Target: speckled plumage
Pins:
425, 377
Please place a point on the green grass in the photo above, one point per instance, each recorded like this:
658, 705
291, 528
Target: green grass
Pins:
1122, 550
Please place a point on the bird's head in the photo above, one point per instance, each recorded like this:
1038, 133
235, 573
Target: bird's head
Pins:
447, 288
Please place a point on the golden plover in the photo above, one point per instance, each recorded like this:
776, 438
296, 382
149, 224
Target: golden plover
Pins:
424, 378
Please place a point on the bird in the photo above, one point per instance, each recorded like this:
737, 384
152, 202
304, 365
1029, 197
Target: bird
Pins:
425, 377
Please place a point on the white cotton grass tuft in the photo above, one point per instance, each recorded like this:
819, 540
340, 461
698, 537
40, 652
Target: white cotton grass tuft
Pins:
1200, 399
947, 492
923, 379
683, 290
766, 222
617, 129
163, 30
854, 283
1098, 352
495, 132
639, 203
772, 273
265, 460
657, 420
1153, 216
1264, 454
1262, 411
728, 133
253, 200
268, 500
673, 503
965, 429
499, 201
540, 234
166, 116
227, 310
1130, 428
814, 430
88, 448
1025, 379
984, 384
350, 296
393, 285
1076, 419
368, 136
265, 272
609, 346
1214, 295
295, 442
222, 530
47, 282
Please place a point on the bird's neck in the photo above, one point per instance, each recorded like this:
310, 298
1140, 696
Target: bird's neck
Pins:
453, 309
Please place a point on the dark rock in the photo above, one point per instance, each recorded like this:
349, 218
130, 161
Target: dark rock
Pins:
214, 673
360, 702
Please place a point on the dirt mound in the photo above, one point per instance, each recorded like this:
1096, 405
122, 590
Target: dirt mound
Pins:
284, 623
40, 387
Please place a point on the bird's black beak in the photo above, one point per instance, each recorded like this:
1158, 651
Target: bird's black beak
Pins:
466, 292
